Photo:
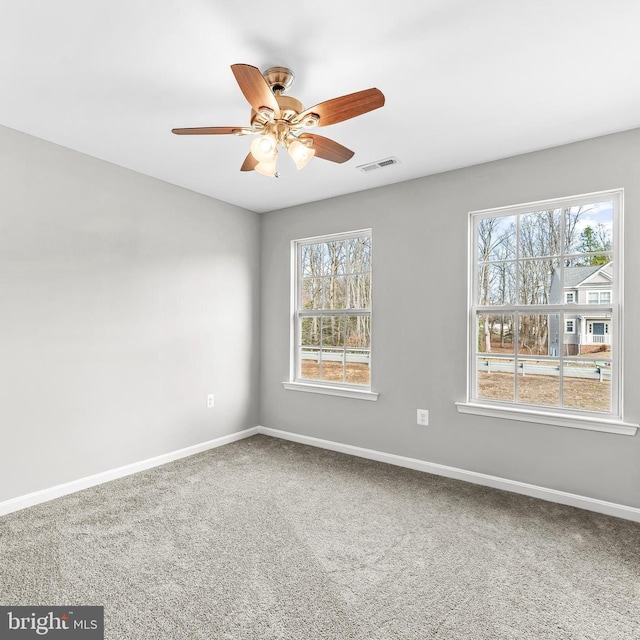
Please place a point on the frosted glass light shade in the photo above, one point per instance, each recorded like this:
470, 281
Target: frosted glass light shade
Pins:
267, 167
264, 147
300, 153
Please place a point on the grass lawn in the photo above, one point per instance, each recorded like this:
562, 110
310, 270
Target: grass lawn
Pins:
357, 372
578, 393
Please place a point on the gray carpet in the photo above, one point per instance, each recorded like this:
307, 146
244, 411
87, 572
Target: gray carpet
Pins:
265, 538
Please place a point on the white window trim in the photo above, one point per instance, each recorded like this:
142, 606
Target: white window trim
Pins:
343, 392
560, 420
323, 387
610, 423
566, 297
573, 326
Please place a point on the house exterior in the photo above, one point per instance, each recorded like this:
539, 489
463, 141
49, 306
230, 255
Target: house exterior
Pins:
582, 332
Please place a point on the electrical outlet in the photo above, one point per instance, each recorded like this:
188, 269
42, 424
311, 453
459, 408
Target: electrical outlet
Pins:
210, 401
423, 417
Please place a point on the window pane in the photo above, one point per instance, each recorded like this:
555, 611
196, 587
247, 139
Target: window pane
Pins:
311, 260
335, 258
335, 292
540, 234
312, 293
496, 283
539, 382
571, 338
333, 365
310, 332
587, 385
310, 363
359, 294
535, 281
538, 334
495, 333
496, 238
495, 379
359, 255
333, 331
580, 275
358, 329
357, 370
589, 228
596, 336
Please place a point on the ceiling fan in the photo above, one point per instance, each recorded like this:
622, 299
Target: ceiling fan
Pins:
280, 121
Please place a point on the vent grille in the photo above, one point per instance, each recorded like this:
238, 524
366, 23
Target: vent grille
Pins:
379, 164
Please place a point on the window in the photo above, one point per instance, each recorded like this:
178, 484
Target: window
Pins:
525, 258
331, 333
599, 297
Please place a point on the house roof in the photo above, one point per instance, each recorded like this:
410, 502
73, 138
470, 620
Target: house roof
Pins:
574, 276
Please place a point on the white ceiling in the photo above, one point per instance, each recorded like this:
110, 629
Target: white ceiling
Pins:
466, 81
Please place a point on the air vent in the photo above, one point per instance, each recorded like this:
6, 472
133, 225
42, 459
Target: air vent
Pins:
379, 164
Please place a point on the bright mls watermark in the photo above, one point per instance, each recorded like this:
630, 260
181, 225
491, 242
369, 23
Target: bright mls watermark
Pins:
23, 623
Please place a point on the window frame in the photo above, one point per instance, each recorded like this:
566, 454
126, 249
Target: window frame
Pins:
612, 421
566, 325
326, 387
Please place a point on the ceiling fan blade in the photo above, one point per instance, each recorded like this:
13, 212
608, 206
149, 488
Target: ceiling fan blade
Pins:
211, 131
249, 163
345, 107
255, 88
328, 149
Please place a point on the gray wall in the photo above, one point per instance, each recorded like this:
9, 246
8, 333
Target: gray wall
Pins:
123, 302
419, 326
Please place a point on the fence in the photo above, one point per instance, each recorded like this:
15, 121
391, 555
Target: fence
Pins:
337, 356
596, 372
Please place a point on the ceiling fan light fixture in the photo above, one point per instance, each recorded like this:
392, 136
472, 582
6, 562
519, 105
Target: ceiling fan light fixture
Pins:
267, 167
264, 148
300, 153
277, 120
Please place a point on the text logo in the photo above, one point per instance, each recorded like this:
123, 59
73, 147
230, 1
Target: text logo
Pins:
22, 623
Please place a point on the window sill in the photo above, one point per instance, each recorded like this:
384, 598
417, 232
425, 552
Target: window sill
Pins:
574, 422
344, 392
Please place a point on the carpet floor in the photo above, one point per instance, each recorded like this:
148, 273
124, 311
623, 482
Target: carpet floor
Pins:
268, 539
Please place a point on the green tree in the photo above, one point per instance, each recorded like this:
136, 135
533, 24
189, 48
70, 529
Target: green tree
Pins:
593, 241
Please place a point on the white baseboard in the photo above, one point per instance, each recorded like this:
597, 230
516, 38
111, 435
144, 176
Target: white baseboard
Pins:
37, 497
543, 493
551, 495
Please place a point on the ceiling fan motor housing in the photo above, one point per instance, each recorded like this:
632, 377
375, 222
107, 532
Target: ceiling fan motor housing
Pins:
279, 78
289, 109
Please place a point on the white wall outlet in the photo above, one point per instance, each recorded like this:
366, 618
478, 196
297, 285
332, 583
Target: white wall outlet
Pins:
210, 401
423, 417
